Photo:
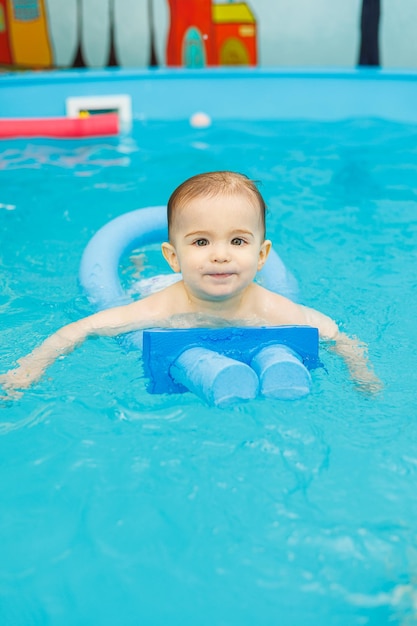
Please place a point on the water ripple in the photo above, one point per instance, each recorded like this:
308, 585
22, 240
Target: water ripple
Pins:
39, 415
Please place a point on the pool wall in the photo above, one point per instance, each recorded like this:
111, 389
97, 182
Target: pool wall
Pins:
256, 93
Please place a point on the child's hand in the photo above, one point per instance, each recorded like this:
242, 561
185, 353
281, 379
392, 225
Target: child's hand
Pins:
368, 382
13, 380
11, 395
354, 353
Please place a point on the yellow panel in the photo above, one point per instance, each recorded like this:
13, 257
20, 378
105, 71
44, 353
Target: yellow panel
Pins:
30, 40
233, 52
232, 14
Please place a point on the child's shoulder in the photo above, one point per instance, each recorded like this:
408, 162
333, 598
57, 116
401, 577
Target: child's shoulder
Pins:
263, 294
274, 308
166, 301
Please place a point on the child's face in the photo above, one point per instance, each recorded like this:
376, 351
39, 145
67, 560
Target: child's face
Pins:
218, 245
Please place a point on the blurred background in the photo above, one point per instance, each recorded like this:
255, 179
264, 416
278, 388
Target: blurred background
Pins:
41, 34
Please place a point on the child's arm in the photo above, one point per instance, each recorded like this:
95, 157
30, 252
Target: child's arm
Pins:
108, 323
31, 367
352, 351
354, 354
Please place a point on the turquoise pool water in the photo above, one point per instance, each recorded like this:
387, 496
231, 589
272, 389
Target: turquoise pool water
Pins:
119, 507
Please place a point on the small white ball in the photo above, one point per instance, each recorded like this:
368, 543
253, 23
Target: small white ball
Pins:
200, 120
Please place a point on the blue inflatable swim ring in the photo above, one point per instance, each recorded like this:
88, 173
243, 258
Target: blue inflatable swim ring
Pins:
221, 365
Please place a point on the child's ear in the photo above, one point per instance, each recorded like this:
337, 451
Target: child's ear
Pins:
263, 253
170, 256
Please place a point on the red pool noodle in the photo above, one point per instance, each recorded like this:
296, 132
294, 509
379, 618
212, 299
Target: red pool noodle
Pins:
60, 127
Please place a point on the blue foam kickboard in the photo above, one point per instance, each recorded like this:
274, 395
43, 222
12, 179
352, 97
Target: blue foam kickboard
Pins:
161, 346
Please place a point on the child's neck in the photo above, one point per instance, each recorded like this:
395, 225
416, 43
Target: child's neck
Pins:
227, 308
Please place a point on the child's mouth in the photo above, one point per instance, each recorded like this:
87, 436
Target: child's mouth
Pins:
220, 276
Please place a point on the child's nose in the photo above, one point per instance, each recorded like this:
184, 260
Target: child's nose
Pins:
220, 253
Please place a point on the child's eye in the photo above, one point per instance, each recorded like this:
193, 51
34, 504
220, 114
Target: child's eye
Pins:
201, 242
237, 241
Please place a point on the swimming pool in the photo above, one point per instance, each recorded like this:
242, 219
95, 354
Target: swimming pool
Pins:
122, 507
